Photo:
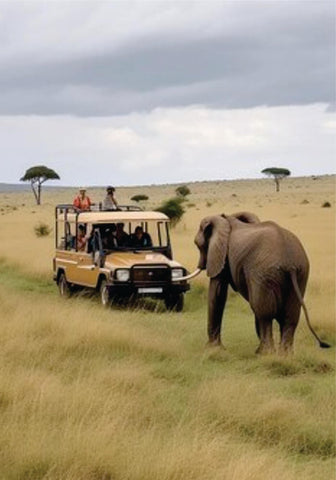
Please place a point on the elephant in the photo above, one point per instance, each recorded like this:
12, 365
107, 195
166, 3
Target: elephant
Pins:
266, 264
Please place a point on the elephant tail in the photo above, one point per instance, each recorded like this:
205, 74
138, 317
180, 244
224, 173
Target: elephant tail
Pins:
299, 295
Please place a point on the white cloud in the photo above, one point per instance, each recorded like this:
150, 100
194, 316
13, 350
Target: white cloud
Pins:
170, 145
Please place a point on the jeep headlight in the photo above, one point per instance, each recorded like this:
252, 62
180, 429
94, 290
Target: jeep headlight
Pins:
177, 273
122, 275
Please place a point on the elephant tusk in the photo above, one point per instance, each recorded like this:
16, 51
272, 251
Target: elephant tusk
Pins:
187, 277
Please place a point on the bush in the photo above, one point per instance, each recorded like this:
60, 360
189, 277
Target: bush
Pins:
173, 209
326, 205
42, 230
182, 191
139, 198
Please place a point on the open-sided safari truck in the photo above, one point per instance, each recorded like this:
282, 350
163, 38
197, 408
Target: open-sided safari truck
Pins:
119, 253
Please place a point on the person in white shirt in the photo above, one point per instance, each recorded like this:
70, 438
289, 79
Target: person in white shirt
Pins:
110, 203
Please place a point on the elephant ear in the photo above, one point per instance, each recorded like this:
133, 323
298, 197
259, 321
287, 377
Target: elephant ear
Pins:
218, 245
246, 217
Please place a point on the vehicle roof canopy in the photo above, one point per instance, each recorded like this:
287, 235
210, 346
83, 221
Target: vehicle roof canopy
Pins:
115, 217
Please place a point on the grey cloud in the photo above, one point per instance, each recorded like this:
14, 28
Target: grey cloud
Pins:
285, 57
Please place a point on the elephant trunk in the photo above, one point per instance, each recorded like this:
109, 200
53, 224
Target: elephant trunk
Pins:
187, 277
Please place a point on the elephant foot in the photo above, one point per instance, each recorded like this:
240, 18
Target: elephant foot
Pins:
215, 352
264, 349
285, 350
215, 343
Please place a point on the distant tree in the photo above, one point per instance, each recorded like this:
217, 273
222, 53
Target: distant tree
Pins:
139, 198
278, 174
182, 191
37, 176
173, 209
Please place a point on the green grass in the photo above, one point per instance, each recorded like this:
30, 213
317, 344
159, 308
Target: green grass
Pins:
13, 277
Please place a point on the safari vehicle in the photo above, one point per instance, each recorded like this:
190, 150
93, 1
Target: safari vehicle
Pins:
99, 250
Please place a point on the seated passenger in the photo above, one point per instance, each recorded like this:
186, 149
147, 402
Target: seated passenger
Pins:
122, 237
109, 239
141, 238
81, 238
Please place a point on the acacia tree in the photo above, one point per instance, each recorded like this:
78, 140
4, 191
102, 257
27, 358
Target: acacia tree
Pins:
37, 176
278, 174
139, 198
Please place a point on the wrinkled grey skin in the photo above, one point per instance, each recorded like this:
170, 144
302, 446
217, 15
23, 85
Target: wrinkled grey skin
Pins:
265, 263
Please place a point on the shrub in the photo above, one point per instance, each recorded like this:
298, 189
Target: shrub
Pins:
173, 209
182, 191
139, 198
42, 230
326, 205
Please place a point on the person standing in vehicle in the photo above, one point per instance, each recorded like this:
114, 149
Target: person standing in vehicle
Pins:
82, 201
110, 203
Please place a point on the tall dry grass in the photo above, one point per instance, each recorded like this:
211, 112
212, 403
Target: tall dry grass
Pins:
134, 394
90, 394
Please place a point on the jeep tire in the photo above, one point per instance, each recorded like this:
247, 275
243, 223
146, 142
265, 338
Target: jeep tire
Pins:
64, 286
105, 297
174, 302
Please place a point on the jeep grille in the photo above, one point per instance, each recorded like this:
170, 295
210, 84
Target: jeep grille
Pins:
151, 274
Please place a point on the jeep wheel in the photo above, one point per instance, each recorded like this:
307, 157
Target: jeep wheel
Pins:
175, 302
104, 292
64, 286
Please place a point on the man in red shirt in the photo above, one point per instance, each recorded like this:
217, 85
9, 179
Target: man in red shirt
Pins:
82, 201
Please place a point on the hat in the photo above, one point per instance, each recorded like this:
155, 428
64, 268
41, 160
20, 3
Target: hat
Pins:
82, 189
110, 189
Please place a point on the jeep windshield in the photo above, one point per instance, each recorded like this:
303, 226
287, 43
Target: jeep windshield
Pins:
109, 231
132, 235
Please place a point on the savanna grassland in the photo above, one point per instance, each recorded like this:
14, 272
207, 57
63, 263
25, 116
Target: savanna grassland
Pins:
94, 394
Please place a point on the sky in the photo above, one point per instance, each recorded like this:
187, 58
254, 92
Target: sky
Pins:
143, 92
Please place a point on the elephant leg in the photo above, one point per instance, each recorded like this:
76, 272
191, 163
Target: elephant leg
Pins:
257, 328
265, 329
262, 302
288, 324
290, 318
217, 299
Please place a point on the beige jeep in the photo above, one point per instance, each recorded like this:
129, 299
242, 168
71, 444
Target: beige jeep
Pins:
118, 254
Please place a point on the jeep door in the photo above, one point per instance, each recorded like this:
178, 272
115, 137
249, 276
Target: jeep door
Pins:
84, 271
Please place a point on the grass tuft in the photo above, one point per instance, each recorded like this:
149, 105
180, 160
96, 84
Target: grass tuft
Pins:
42, 230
